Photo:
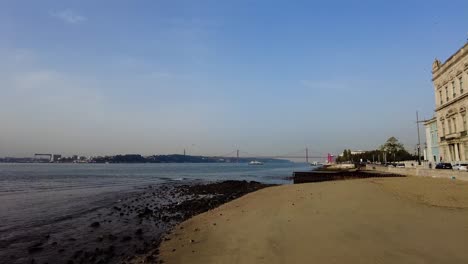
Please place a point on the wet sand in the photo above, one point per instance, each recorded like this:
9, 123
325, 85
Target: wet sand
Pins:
120, 231
382, 220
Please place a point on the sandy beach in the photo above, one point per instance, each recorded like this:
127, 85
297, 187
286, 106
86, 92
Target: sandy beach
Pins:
384, 220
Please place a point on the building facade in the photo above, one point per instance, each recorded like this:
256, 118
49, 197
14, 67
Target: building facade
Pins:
450, 81
432, 141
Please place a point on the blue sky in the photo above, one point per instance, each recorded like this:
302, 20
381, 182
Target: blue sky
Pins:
268, 77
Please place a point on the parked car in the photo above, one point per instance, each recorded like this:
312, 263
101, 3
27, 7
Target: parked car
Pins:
463, 167
400, 165
460, 166
444, 166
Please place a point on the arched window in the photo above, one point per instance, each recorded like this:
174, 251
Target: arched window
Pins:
443, 128
454, 119
464, 121
453, 89
461, 84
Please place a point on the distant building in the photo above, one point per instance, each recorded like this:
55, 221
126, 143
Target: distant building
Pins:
450, 81
56, 157
354, 152
432, 141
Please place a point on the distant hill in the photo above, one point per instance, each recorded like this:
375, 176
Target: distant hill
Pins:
174, 158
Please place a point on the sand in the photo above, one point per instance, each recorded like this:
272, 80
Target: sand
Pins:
387, 220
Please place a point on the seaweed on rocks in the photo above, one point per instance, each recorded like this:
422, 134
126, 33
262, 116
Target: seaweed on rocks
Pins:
128, 230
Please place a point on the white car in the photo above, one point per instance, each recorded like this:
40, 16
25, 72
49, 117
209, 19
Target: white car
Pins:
463, 167
460, 166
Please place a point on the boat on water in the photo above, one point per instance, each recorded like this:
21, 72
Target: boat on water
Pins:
255, 162
316, 163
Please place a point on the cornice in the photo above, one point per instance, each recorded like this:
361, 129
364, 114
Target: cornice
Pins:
452, 102
456, 57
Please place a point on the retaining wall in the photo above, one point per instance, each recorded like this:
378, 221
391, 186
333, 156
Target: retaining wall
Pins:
423, 172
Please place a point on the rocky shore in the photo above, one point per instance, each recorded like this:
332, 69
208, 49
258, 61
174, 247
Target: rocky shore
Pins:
128, 230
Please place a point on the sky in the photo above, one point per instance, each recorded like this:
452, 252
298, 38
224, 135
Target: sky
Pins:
267, 77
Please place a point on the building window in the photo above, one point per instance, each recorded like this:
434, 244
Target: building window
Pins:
449, 123
440, 97
453, 90
461, 84
464, 121
443, 128
446, 93
466, 149
454, 125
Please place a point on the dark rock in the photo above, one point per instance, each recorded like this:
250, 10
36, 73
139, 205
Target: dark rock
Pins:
35, 248
139, 232
126, 238
145, 212
77, 253
110, 249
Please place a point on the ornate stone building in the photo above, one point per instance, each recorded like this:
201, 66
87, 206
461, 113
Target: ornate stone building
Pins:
450, 81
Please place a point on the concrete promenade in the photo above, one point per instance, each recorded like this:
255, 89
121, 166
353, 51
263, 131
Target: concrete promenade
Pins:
423, 172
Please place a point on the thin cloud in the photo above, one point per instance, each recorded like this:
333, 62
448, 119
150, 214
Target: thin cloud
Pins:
69, 16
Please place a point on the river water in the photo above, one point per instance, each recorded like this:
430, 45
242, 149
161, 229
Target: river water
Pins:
34, 197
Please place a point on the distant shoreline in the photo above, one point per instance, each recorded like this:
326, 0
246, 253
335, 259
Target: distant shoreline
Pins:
139, 159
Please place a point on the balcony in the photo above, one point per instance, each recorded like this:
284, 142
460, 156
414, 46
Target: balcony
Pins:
452, 136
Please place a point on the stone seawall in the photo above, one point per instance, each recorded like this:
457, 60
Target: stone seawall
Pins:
423, 172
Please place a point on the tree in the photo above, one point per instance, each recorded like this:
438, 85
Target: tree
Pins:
395, 150
345, 155
392, 146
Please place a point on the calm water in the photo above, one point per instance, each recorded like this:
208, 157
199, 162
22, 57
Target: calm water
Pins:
32, 195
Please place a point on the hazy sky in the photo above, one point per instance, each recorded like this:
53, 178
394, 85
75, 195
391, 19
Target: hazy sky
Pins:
268, 77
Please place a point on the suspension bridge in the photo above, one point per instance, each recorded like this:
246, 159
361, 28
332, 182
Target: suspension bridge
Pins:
299, 154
